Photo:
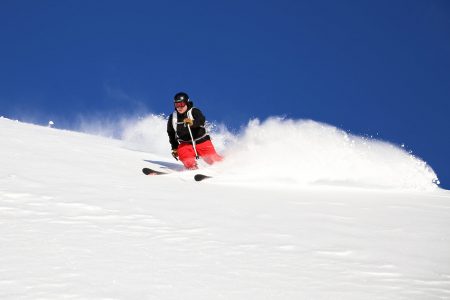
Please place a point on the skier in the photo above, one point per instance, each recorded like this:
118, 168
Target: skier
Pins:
187, 134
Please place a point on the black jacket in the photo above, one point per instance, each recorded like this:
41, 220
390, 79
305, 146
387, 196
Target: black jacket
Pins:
182, 133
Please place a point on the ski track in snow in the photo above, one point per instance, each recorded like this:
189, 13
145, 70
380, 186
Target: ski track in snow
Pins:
78, 220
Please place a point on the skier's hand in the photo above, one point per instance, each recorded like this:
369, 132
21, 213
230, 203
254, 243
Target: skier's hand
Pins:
188, 121
175, 154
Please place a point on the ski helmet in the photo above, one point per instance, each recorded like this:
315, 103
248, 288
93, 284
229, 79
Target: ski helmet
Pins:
181, 97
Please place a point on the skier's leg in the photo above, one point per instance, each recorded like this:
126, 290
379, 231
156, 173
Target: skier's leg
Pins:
207, 151
186, 155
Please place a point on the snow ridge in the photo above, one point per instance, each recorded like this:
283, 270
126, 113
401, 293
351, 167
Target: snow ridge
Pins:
80, 221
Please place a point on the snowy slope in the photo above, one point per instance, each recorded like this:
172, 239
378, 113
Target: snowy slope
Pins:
79, 221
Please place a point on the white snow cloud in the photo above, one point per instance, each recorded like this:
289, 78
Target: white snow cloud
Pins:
297, 151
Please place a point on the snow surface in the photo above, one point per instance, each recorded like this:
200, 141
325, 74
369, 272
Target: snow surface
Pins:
298, 210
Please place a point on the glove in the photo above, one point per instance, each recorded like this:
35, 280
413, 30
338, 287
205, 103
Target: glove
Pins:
188, 121
175, 154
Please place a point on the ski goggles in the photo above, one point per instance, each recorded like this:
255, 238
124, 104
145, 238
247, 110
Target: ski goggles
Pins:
180, 104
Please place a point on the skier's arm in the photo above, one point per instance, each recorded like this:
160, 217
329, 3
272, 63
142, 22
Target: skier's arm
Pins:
199, 118
171, 133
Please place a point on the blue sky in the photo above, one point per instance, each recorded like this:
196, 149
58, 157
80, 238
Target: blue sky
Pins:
376, 68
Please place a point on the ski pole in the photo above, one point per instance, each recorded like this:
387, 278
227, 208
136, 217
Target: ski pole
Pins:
193, 141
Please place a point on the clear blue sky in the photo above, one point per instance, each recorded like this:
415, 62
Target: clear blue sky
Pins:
378, 68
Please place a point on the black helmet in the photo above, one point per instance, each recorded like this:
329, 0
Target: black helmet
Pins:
181, 97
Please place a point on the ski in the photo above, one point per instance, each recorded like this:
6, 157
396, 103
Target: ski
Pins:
200, 177
148, 171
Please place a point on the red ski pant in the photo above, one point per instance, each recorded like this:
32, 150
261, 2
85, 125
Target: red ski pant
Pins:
206, 150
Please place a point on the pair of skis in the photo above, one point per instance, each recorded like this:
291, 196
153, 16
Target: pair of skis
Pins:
151, 172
